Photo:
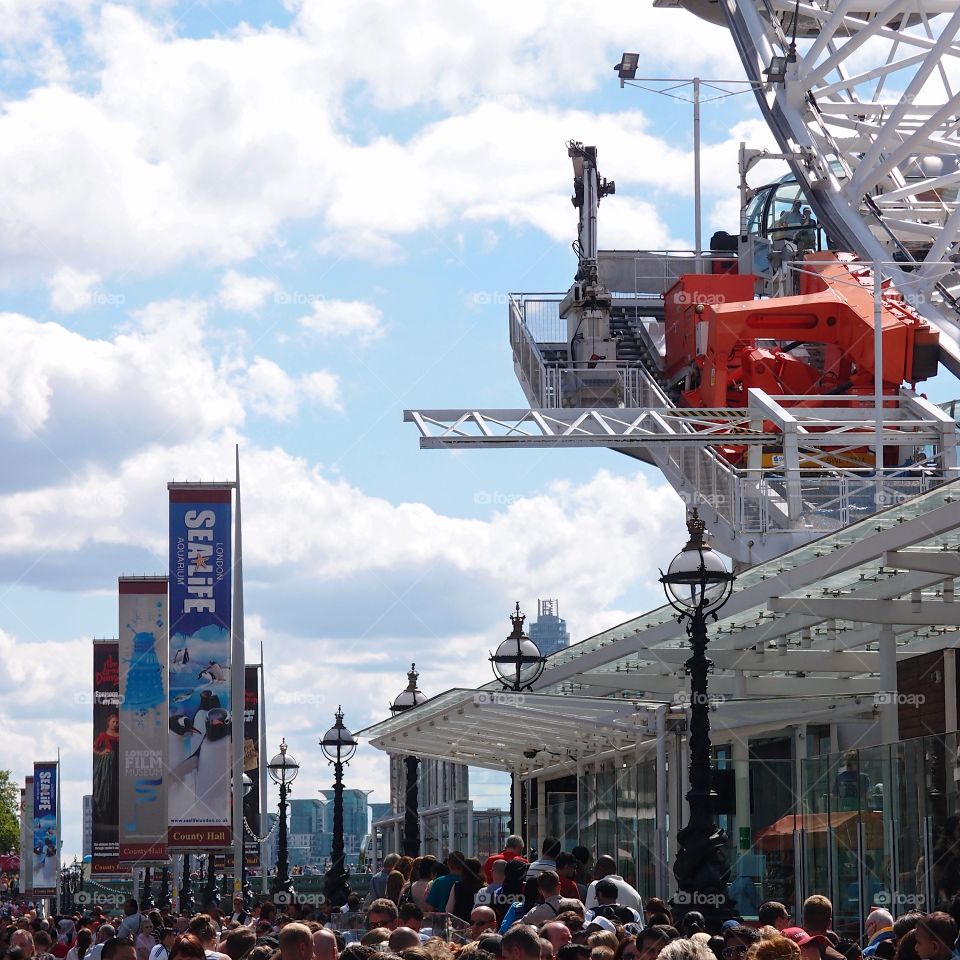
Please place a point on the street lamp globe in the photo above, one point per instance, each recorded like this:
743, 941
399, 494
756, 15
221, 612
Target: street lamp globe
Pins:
283, 769
518, 662
697, 578
338, 743
411, 696
247, 785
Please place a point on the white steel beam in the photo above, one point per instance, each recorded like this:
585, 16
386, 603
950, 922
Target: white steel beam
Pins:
929, 613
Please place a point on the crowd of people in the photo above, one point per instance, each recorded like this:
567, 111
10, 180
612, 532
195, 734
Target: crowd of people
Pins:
506, 909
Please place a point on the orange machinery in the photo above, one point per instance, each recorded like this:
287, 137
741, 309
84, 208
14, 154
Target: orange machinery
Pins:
720, 341
725, 341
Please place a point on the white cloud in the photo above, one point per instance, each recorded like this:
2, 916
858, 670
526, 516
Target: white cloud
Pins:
239, 134
72, 290
345, 318
273, 392
244, 294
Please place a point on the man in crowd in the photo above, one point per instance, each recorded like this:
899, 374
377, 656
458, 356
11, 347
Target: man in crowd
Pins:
378, 882
607, 892
132, 920
878, 927
296, 942
410, 915
548, 858
521, 942
606, 869
403, 938
567, 867
737, 940
324, 945
557, 933
382, 913
104, 932
119, 948
772, 913
482, 920
548, 883
440, 888
653, 940
512, 850
498, 871
936, 935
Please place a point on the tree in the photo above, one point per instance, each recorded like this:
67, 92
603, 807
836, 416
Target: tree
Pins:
9, 813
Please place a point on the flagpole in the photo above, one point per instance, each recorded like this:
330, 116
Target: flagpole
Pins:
264, 816
237, 674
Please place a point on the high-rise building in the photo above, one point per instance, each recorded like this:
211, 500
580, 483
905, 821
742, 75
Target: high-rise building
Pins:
549, 632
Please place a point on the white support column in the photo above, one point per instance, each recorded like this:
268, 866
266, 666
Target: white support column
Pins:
740, 751
469, 851
541, 810
799, 755
451, 818
518, 805
889, 721
663, 803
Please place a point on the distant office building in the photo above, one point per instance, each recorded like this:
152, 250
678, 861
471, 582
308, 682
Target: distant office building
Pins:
87, 825
549, 632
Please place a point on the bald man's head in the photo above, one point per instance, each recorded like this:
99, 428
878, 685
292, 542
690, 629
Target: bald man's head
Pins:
324, 945
403, 938
604, 867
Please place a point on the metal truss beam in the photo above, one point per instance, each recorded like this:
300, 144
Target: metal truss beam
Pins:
667, 426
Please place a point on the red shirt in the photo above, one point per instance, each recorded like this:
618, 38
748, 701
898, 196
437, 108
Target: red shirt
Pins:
569, 889
506, 855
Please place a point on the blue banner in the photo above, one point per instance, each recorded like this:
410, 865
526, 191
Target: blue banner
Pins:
199, 667
46, 830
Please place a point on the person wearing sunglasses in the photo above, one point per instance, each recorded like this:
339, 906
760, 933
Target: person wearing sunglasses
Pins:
737, 940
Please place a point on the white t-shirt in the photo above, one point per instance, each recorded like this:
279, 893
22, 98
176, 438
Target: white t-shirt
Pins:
626, 895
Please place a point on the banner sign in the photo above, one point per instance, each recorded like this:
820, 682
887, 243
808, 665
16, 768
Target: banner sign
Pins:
251, 763
26, 829
200, 708
46, 830
106, 757
143, 719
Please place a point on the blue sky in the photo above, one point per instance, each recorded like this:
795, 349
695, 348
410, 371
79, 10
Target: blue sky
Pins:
279, 225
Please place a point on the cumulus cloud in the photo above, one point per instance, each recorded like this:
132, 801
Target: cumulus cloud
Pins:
244, 294
345, 318
72, 290
242, 133
273, 392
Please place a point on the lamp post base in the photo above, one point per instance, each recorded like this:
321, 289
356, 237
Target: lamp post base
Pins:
335, 886
702, 874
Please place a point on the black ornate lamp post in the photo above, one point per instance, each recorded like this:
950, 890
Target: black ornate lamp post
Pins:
283, 769
338, 745
245, 888
186, 888
146, 900
164, 903
210, 894
408, 698
697, 584
517, 664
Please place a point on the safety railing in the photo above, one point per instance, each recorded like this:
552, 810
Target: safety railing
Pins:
749, 501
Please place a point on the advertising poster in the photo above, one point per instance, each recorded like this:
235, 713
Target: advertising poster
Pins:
46, 830
200, 708
106, 757
143, 719
251, 763
26, 828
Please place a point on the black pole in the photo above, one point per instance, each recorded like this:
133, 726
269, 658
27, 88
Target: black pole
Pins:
210, 895
186, 888
165, 888
146, 901
701, 867
282, 880
336, 888
411, 811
